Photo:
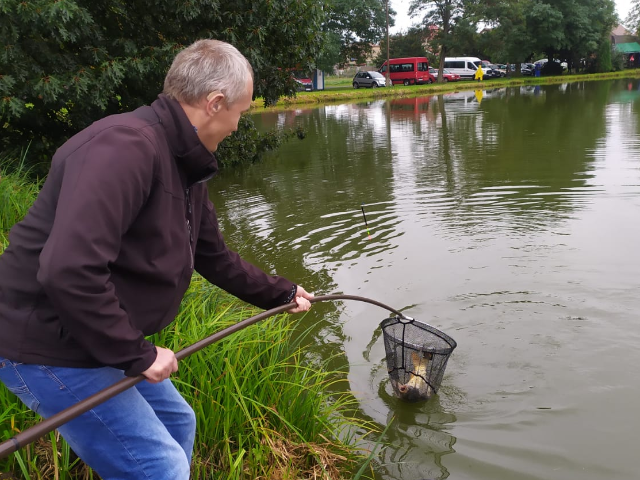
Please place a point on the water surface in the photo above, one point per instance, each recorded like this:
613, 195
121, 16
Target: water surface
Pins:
508, 218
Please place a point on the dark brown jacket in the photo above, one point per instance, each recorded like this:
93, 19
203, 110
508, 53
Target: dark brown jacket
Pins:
106, 253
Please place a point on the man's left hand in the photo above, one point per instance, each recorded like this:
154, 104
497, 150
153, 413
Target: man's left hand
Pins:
302, 299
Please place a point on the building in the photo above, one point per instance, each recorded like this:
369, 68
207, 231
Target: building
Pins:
623, 41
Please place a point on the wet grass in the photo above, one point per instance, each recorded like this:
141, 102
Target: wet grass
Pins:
266, 407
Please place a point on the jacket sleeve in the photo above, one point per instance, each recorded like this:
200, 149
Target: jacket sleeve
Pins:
102, 187
226, 269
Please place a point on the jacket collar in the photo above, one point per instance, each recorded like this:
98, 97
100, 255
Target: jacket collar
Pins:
198, 163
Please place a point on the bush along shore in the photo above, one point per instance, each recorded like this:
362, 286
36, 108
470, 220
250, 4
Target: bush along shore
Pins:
339, 90
265, 407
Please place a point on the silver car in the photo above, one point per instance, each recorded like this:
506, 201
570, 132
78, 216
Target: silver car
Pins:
369, 79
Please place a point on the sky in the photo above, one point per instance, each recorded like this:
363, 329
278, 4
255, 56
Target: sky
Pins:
403, 21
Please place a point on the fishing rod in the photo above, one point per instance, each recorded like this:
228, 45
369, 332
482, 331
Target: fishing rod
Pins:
30, 435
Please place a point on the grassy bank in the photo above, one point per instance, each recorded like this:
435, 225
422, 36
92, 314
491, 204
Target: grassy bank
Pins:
265, 407
339, 90
17, 193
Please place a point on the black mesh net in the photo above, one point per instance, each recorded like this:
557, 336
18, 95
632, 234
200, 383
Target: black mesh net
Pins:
417, 356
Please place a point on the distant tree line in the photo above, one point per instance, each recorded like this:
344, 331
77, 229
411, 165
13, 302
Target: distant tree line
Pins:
575, 31
514, 31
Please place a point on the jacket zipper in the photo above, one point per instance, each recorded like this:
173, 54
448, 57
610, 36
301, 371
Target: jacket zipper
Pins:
189, 226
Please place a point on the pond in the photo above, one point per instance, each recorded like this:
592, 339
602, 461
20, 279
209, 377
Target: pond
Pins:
507, 218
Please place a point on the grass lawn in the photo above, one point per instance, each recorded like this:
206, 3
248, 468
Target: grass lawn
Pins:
340, 90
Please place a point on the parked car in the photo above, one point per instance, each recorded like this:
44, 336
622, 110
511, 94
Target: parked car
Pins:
497, 71
542, 61
486, 69
303, 81
447, 76
527, 69
369, 79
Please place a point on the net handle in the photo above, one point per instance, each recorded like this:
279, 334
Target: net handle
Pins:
31, 434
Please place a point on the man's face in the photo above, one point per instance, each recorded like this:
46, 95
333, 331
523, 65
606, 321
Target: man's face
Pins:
222, 119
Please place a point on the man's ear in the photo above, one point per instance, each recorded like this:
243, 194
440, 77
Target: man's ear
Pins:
214, 102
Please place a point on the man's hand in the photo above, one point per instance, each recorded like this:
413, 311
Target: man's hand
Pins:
165, 364
302, 299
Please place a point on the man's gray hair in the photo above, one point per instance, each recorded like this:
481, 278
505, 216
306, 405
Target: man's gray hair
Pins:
208, 66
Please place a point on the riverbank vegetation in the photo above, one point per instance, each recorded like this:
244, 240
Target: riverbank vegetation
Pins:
266, 407
339, 89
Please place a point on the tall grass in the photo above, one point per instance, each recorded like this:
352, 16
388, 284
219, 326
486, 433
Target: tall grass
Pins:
17, 194
265, 407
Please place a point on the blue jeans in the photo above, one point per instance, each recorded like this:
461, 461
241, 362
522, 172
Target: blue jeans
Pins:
146, 432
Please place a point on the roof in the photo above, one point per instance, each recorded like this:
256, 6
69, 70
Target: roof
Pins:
632, 47
620, 30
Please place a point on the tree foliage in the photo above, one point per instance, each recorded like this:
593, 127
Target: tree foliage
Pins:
633, 17
570, 29
562, 29
446, 15
354, 26
65, 64
517, 30
409, 44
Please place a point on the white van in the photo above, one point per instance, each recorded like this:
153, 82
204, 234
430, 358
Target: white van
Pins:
464, 66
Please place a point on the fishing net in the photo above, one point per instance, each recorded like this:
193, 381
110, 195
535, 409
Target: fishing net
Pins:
417, 356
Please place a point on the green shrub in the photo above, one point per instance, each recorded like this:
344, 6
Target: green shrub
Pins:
247, 145
617, 61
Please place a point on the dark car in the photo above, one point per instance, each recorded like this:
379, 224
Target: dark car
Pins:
486, 70
527, 69
369, 79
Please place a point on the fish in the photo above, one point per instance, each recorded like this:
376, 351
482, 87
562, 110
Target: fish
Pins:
416, 388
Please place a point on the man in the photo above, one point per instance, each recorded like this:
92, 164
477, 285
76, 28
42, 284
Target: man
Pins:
105, 255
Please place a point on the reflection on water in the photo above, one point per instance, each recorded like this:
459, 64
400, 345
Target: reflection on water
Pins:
505, 217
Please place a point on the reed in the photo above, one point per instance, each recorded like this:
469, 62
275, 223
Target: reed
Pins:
266, 408
17, 193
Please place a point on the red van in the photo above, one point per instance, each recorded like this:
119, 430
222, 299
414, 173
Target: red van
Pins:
409, 70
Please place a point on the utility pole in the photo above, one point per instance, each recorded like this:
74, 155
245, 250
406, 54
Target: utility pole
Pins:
389, 84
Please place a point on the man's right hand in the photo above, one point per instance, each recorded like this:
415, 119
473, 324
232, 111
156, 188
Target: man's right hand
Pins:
165, 364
